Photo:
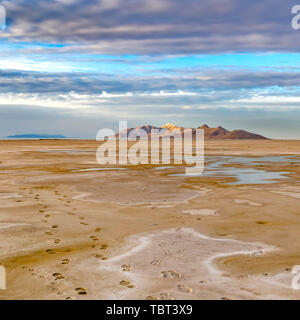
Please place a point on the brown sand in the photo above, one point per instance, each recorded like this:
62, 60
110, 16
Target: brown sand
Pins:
62, 229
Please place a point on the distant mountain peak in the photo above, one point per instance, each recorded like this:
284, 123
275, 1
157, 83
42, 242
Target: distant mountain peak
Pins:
218, 133
169, 125
145, 127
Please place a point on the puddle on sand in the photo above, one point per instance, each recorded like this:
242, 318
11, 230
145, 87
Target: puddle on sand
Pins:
163, 168
215, 168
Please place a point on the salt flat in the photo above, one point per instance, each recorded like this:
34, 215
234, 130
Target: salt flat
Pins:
124, 233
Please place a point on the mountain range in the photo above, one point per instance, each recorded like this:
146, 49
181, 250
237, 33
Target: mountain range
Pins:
218, 133
36, 136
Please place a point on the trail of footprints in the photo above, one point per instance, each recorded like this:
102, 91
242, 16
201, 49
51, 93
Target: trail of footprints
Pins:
57, 278
165, 274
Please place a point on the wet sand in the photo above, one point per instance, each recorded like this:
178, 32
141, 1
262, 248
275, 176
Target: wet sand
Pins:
69, 231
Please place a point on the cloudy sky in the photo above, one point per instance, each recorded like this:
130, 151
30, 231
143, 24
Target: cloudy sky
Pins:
73, 67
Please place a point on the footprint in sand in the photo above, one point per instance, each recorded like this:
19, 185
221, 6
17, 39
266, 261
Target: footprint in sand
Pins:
152, 298
171, 274
94, 238
261, 222
258, 252
156, 262
58, 276
166, 296
126, 267
203, 281
51, 251
81, 291
124, 283
127, 284
185, 289
65, 261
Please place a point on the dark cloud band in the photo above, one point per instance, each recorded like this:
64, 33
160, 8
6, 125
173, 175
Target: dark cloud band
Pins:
156, 26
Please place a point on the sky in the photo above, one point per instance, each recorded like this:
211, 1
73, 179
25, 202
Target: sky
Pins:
73, 67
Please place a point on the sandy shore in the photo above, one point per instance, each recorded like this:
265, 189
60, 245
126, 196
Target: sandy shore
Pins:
70, 231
